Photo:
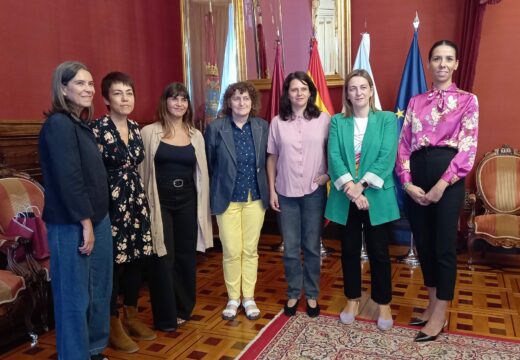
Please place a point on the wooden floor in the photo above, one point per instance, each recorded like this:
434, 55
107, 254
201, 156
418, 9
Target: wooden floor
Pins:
487, 302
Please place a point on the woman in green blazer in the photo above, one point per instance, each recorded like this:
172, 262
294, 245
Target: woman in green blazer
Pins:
362, 151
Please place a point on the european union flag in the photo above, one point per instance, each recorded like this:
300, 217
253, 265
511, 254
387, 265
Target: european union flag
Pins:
413, 82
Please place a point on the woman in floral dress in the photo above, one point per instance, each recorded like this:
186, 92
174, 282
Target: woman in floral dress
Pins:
122, 150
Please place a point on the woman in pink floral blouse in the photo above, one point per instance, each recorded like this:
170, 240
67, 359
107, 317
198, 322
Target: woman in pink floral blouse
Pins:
436, 151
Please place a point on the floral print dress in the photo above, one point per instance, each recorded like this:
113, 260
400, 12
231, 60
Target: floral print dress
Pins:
129, 211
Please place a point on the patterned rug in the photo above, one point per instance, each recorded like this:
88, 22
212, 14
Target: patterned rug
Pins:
301, 337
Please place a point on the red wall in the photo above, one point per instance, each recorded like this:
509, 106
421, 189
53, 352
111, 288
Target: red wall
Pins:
498, 69
498, 77
391, 31
143, 38
140, 37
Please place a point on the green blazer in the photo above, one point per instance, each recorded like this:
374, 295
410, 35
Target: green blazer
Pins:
378, 154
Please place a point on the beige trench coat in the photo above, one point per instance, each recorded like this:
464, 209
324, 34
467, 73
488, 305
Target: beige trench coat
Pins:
152, 135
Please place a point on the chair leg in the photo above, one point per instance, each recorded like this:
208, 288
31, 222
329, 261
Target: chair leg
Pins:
471, 241
31, 302
43, 286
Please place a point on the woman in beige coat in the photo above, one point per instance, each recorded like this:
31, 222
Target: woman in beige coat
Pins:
176, 181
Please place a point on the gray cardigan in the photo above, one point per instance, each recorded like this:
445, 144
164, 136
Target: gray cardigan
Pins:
222, 162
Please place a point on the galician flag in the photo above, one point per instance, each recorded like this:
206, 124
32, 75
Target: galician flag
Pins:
315, 71
363, 62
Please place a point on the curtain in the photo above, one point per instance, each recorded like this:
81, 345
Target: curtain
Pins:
198, 49
471, 33
229, 69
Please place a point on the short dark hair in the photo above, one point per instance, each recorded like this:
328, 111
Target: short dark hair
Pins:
115, 77
161, 113
242, 87
444, 42
311, 110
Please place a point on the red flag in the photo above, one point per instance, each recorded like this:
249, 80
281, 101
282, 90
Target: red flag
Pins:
264, 74
260, 38
276, 84
315, 71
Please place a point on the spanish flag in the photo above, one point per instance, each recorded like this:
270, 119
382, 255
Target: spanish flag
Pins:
315, 71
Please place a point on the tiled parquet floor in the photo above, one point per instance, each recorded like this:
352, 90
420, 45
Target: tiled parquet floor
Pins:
487, 302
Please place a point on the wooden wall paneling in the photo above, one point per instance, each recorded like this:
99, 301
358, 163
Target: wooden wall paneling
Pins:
19, 146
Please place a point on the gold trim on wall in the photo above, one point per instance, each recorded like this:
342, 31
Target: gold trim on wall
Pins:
184, 21
265, 84
238, 5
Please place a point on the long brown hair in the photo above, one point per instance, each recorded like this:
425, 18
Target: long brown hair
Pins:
161, 113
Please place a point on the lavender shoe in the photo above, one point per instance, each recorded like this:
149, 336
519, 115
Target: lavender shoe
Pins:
347, 318
384, 325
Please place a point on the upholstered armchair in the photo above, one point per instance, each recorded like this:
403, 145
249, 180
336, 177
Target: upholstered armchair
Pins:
498, 189
17, 194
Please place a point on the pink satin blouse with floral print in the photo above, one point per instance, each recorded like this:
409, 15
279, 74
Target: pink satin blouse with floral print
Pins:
440, 118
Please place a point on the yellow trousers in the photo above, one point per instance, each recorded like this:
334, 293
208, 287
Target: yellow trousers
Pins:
239, 229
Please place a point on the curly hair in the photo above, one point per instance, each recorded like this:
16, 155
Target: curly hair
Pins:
242, 87
311, 110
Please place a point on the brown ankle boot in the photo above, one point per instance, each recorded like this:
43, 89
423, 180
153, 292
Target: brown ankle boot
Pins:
119, 339
136, 327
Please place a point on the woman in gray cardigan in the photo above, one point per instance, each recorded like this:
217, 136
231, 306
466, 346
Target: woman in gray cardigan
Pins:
236, 145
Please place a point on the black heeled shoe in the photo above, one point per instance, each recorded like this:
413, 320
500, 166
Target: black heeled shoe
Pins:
313, 311
417, 322
422, 337
290, 310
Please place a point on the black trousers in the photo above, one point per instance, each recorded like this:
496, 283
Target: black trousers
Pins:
173, 276
126, 281
434, 226
376, 240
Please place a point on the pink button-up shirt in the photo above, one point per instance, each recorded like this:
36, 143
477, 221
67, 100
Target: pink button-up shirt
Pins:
301, 147
440, 118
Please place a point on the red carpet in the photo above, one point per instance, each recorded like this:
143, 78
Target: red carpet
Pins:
301, 337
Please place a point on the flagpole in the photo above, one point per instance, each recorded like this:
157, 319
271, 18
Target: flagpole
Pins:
410, 258
280, 35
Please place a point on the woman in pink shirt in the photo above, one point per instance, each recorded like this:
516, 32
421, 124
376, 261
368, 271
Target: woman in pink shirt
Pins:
297, 174
436, 151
